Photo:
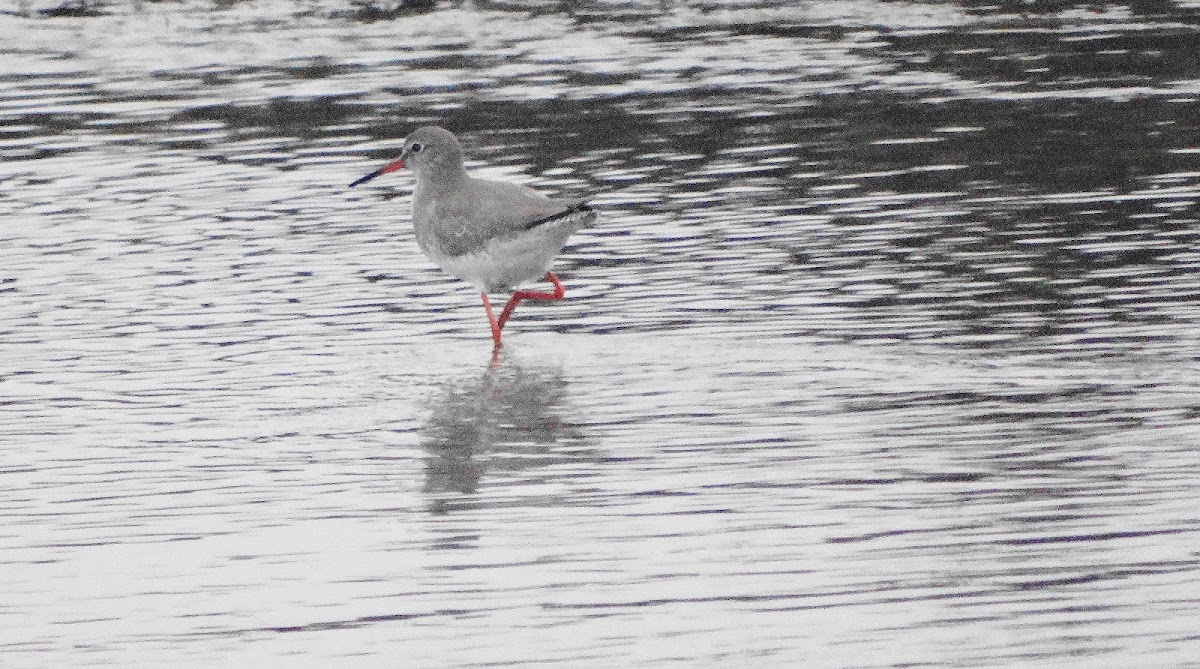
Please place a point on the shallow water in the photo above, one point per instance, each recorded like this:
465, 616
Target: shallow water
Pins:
883, 352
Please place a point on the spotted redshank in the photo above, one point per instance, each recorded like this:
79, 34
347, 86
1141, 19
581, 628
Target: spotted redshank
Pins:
492, 234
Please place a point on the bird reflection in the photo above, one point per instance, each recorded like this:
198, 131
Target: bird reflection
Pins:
509, 419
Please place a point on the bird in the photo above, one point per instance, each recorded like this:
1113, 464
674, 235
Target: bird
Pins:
492, 234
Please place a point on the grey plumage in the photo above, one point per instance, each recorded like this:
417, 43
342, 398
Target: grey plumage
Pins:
492, 234
473, 227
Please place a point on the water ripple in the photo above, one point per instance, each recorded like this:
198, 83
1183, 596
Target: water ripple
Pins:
883, 347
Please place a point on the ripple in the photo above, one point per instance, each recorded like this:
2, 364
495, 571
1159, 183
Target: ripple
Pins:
883, 346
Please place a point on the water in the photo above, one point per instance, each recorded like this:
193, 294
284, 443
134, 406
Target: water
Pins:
883, 353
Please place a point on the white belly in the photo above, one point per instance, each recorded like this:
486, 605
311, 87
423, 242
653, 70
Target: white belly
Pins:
502, 266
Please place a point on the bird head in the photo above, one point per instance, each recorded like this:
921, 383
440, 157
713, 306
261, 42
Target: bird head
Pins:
427, 148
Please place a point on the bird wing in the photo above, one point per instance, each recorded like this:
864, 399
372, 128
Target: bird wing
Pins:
484, 212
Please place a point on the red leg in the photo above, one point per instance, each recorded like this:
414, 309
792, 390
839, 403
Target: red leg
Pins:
487, 305
530, 295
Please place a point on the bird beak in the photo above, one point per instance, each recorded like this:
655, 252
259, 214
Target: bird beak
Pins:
390, 167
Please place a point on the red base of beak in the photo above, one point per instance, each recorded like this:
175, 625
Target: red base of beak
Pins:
390, 167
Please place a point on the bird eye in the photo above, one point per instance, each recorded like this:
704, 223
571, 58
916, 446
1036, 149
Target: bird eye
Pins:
415, 148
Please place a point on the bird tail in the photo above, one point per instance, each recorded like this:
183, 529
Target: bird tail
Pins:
576, 216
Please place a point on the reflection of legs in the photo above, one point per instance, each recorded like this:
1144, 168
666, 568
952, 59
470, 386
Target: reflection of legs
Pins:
492, 320
528, 295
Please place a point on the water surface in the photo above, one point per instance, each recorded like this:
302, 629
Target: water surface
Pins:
883, 353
